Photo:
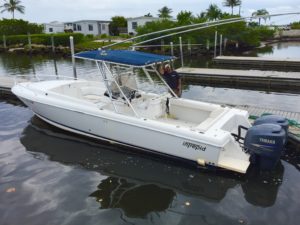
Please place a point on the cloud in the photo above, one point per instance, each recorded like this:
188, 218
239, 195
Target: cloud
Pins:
71, 10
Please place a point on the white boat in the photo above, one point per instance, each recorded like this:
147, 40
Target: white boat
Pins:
116, 109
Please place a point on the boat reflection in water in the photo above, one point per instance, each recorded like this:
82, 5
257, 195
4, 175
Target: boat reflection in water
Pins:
141, 184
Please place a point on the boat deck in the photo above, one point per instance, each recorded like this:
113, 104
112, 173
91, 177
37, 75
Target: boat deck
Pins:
169, 119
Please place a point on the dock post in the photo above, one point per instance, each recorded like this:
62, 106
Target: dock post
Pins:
52, 44
216, 39
221, 42
73, 58
189, 47
162, 45
181, 52
29, 41
4, 42
172, 48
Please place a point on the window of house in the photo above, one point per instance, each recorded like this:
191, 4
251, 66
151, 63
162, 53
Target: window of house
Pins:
50, 29
74, 27
134, 25
91, 28
103, 27
79, 27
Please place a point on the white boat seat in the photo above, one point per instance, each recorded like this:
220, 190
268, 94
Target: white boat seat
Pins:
205, 124
89, 90
210, 120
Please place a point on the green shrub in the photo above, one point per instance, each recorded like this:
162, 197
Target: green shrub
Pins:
125, 36
18, 27
44, 39
103, 36
89, 37
295, 25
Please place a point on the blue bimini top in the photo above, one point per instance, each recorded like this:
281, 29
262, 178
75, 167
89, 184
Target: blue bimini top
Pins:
126, 57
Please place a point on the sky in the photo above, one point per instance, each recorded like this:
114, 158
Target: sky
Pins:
43, 11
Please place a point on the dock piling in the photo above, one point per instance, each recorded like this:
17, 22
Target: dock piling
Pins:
189, 47
29, 41
52, 44
73, 58
4, 42
221, 42
216, 39
172, 48
181, 52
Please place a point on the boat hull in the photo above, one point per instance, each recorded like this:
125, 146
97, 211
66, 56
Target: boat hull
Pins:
143, 137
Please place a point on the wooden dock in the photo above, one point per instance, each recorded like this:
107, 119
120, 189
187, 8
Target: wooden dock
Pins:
269, 80
5, 85
259, 62
258, 111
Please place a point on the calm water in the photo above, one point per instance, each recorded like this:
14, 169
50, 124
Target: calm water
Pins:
52, 177
282, 50
48, 176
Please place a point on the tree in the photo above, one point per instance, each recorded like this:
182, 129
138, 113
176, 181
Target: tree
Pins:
148, 15
213, 12
184, 17
232, 3
117, 22
261, 13
164, 12
12, 6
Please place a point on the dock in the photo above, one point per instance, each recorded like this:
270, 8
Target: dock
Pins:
6, 84
269, 80
260, 62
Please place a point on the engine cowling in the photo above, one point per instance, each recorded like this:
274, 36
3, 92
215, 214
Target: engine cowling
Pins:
265, 142
273, 119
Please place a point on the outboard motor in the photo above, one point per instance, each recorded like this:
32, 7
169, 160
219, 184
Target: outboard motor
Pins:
274, 119
265, 143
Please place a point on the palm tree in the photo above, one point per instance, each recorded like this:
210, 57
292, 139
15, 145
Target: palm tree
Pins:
213, 12
232, 3
185, 17
148, 15
164, 12
261, 13
12, 6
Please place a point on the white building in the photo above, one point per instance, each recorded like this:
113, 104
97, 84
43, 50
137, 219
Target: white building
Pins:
93, 27
54, 27
133, 23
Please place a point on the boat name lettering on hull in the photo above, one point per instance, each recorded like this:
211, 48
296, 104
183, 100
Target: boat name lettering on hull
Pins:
194, 146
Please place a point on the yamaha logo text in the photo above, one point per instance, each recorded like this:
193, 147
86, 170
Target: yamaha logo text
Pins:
267, 141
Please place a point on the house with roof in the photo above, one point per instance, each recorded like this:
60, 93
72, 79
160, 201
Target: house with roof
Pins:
54, 27
91, 27
133, 23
